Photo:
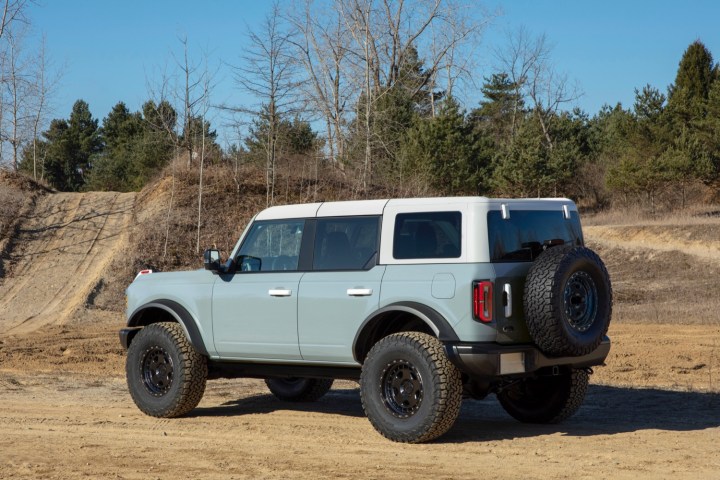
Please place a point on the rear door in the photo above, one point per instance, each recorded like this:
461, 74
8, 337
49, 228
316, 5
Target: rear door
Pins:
342, 289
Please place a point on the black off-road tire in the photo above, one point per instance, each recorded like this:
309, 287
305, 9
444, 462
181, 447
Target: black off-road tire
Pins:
568, 301
409, 389
297, 389
545, 399
166, 376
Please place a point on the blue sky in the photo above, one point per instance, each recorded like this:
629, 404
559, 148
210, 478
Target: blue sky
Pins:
110, 50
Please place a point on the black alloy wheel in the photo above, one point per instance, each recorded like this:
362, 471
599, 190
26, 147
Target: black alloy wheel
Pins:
157, 370
409, 389
402, 391
581, 299
166, 376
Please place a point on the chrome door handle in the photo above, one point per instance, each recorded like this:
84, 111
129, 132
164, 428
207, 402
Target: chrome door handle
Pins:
359, 292
279, 292
507, 290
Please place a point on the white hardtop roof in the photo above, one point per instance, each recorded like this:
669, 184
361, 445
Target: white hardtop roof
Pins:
376, 207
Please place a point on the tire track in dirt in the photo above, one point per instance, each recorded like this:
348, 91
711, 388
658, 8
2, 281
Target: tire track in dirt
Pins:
46, 215
81, 271
63, 249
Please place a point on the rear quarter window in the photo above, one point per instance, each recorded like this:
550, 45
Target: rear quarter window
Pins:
427, 235
523, 236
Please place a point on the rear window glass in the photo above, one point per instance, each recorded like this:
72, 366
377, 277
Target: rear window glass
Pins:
523, 236
427, 235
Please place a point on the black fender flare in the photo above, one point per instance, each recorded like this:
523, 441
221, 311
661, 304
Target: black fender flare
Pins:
179, 313
431, 317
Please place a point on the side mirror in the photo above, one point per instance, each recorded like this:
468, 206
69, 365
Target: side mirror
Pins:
249, 263
211, 260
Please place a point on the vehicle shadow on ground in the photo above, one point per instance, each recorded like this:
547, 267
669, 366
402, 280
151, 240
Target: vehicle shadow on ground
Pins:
344, 402
607, 410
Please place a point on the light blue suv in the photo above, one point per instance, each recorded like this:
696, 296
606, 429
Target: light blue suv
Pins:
424, 301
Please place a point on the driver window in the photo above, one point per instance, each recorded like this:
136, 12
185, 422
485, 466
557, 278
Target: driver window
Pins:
271, 246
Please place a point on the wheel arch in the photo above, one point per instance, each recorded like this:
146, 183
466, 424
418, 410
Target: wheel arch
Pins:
168, 311
399, 317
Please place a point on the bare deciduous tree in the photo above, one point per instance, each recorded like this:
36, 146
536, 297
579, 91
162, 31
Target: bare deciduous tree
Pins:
387, 36
455, 46
44, 84
191, 94
357, 17
527, 61
13, 11
322, 47
269, 73
204, 108
17, 88
190, 89
14, 76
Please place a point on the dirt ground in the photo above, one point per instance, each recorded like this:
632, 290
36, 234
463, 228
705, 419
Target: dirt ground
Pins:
652, 412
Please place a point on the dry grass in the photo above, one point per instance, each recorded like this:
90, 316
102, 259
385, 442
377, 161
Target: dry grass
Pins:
694, 215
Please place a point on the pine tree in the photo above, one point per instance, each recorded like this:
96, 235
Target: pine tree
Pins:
119, 134
695, 71
69, 148
294, 137
688, 96
649, 104
499, 113
134, 148
710, 128
640, 169
446, 152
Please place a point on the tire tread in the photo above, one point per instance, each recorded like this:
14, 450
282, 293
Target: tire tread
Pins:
550, 413
192, 373
445, 375
542, 308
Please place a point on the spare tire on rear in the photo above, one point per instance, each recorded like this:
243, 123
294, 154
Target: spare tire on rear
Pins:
568, 301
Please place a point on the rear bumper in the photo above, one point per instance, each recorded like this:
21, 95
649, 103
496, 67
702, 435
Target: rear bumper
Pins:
494, 360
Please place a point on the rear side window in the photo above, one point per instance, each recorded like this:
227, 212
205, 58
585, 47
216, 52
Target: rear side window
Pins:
427, 235
523, 236
345, 243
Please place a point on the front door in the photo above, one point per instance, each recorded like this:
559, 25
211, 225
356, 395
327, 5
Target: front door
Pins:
255, 309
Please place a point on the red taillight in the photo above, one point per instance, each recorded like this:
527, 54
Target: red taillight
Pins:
482, 301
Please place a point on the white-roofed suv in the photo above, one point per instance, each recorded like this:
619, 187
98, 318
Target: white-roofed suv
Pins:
423, 301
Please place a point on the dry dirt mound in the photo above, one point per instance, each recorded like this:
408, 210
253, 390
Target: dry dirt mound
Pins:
662, 273
699, 240
60, 253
